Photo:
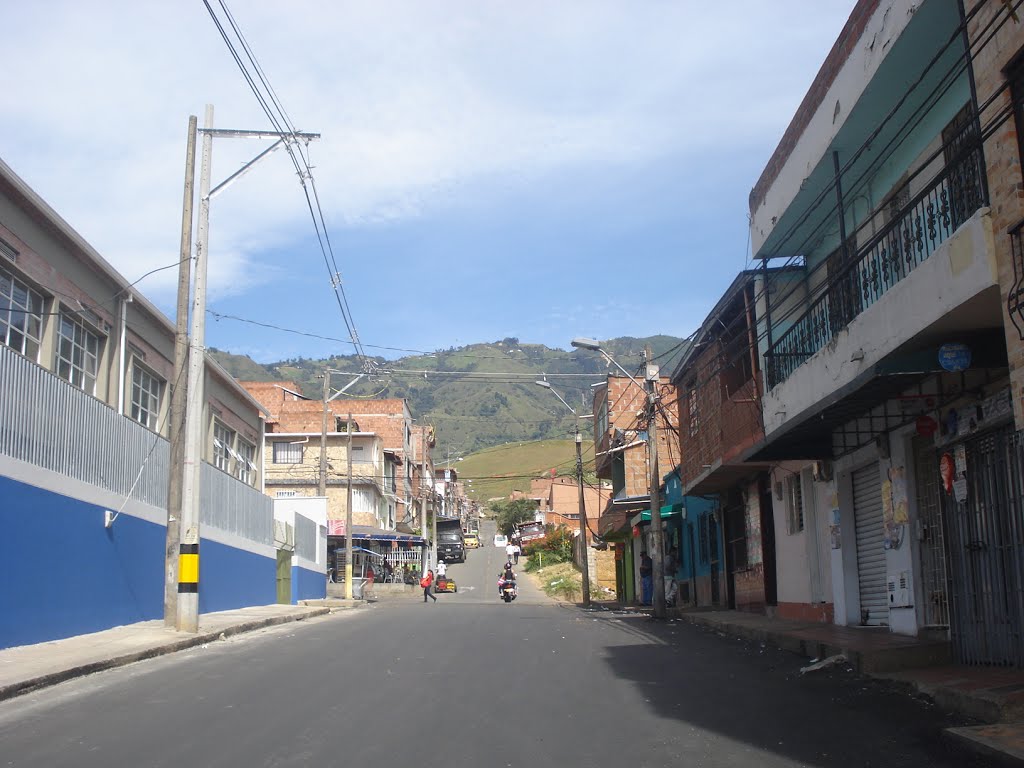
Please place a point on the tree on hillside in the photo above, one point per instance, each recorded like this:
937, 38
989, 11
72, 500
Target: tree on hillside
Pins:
507, 513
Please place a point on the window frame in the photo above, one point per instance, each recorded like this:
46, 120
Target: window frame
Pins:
138, 369
795, 518
29, 315
76, 373
245, 464
286, 447
223, 449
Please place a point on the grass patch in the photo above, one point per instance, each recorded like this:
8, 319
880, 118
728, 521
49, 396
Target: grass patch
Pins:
497, 471
561, 581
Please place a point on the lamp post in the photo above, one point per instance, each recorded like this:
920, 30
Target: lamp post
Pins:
585, 554
657, 529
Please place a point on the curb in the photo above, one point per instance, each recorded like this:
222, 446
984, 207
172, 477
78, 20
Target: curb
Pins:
984, 740
54, 678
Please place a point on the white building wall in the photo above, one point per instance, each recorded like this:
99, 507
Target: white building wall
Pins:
881, 31
960, 269
804, 560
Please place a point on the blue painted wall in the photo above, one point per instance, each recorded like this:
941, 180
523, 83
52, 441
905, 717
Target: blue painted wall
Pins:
308, 585
234, 578
63, 574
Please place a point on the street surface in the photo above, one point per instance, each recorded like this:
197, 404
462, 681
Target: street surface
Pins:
471, 681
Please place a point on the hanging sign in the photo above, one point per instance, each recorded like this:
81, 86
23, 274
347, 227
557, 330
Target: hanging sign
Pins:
926, 426
955, 357
960, 489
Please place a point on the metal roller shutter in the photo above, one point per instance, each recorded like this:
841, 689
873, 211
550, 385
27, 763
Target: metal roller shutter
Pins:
867, 510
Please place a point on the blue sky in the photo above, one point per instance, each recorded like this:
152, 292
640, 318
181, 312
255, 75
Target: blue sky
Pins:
531, 169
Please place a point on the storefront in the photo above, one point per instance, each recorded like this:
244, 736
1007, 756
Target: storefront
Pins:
393, 556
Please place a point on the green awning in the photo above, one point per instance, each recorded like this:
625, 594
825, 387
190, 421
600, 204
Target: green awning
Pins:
667, 511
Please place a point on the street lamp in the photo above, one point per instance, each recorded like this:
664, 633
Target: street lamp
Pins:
585, 556
657, 530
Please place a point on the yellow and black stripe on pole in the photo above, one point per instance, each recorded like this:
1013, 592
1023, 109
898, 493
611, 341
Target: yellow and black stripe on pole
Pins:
188, 569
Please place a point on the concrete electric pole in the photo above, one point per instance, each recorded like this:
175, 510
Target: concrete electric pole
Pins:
188, 550
651, 375
348, 513
322, 489
186, 609
179, 391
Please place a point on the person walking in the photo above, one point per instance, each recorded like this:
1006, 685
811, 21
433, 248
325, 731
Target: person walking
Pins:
646, 578
510, 551
516, 550
427, 582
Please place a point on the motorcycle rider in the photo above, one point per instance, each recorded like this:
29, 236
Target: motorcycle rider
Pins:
507, 576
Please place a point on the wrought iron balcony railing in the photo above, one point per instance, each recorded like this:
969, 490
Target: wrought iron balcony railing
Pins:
1015, 296
927, 221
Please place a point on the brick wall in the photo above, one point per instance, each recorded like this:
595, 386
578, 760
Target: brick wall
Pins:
823, 613
603, 573
1002, 158
749, 589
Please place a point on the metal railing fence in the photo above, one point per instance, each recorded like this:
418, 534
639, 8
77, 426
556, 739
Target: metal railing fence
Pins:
903, 244
47, 422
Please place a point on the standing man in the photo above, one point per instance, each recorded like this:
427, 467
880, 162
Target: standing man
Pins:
510, 550
515, 552
646, 578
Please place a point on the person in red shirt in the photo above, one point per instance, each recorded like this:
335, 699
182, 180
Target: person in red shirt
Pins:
427, 582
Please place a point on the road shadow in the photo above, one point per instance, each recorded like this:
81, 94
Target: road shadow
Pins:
750, 692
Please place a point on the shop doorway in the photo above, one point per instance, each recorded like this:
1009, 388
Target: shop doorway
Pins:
986, 550
867, 510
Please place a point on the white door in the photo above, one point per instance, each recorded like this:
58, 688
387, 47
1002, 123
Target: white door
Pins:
867, 509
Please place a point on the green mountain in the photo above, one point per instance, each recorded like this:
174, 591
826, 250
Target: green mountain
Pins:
478, 396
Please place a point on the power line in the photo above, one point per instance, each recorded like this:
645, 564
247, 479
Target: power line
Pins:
280, 120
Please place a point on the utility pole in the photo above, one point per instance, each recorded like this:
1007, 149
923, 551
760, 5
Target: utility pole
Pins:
187, 612
179, 391
657, 529
348, 514
425, 559
323, 434
585, 548
186, 608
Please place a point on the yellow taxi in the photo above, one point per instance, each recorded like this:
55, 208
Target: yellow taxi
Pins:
470, 540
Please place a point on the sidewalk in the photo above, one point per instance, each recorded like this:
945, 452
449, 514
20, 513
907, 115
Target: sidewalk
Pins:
994, 695
30, 667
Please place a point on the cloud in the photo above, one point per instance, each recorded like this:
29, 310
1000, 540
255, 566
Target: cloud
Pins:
421, 105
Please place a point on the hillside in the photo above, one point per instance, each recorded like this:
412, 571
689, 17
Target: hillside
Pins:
467, 393
497, 471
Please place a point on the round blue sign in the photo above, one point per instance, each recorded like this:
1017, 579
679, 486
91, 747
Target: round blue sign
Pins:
955, 357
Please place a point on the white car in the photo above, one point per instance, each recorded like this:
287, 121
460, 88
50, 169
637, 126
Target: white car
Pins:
500, 540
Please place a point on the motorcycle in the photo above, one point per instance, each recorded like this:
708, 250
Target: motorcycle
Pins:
508, 591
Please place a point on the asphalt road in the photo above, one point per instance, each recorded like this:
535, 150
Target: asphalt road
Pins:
471, 681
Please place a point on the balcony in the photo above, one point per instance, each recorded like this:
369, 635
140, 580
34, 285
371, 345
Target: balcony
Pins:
890, 255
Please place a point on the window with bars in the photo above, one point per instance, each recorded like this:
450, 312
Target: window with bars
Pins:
78, 353
146, 393
693, 412
287, 453
794, 504
245, 467
223, 439
21, 316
